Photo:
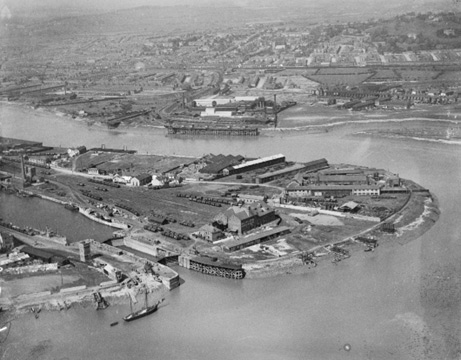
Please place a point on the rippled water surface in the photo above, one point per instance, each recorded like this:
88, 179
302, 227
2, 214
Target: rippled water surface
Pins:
401, 302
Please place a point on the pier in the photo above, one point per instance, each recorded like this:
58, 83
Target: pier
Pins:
209, 267
211, 130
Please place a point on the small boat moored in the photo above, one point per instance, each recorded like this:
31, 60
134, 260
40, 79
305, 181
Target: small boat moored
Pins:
71, 207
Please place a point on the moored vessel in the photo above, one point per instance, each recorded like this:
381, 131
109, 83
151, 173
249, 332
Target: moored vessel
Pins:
146, 310
71, 207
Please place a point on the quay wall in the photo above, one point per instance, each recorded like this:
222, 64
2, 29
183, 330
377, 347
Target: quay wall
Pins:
73, 289
47, 198
32, 239
31, 269
140, 246
111, 224
169, 277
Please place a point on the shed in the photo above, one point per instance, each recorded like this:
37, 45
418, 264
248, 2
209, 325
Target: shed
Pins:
350, 206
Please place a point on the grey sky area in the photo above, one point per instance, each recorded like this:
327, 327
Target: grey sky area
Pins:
29, 5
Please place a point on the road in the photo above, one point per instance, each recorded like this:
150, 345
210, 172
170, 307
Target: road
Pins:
77, 173
237, 184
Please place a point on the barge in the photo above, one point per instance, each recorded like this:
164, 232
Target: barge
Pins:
212, 266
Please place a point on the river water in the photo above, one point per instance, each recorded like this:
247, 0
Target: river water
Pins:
400, 302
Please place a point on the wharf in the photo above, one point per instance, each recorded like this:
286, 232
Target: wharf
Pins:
211, 266
176, 129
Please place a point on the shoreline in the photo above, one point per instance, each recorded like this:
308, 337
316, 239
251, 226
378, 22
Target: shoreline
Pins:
315, 127
292, 263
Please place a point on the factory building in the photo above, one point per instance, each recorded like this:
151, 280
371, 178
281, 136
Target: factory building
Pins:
241, 219
255, 164
238, 244
310, 166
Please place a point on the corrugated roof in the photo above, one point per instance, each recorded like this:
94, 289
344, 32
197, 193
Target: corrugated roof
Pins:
259, 161
282, 171
342, 178
260, 235
141, 177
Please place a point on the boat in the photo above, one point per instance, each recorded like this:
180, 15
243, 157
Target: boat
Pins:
114, 323
71, 207
4, 332
146, 310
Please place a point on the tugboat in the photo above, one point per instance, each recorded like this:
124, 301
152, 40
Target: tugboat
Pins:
146, 310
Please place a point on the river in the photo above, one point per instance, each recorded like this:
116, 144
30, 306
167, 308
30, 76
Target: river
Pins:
398, 302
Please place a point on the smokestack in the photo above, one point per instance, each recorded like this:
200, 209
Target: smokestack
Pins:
275, 110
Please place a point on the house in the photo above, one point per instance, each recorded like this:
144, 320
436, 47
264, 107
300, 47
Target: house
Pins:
122, 179
333, 190
93, 171
210, 233
249, 199
76, 151
140, 180
156, 181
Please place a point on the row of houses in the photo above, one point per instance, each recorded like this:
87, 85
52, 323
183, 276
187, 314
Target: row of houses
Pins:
333, 190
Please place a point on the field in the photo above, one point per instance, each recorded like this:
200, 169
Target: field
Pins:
333, 78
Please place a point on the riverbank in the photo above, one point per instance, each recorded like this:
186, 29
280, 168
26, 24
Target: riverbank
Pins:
257, 261
423, 213
317, 119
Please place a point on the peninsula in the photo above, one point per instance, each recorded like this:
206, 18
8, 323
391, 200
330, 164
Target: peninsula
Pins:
222, 215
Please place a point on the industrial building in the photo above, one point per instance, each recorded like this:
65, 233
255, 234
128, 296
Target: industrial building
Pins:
342, 179
234, 245
140, 180
255, 164
310, 166
241, 219
216, 164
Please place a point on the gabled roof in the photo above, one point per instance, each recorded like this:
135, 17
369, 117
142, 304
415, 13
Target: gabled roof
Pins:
141, 177
209, 228
349, 205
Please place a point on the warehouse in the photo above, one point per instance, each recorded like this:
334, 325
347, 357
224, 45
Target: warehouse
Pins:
234, 245
310, 166
342, 180
255, 164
